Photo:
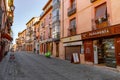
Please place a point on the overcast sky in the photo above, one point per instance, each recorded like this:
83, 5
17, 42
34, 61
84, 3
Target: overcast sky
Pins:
24, 11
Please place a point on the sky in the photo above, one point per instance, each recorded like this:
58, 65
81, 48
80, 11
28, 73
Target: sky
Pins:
24, 11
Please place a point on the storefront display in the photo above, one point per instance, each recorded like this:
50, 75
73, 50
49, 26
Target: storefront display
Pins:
105, 52
109, 52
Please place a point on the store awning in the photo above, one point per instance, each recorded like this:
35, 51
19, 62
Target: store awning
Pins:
7, 36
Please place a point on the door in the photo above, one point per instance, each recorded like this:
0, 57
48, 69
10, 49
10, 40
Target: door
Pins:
95, 48
117, 49
69, 50
57, 49
88, 49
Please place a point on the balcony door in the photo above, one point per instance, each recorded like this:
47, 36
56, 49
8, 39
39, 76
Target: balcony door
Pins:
101, 18
72, 27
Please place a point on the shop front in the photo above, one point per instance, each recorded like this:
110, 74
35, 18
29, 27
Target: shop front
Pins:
56, 48
102, 46
42, 47
5, 43
49, 45
69, 50
72, 45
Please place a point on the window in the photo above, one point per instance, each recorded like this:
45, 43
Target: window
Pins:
73, 23
72, 2
101, 16
72, 27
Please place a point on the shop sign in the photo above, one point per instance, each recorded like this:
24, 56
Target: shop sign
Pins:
70, 39
108, 31
73, 43
96, 33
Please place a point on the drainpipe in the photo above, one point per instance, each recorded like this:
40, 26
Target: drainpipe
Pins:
63, 18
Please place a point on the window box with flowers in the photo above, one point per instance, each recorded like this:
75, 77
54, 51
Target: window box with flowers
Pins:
101, 20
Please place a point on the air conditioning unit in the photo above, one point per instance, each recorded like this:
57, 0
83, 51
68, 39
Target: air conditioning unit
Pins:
92, 1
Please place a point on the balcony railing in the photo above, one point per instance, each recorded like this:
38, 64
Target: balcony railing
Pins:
72, 9
100, 23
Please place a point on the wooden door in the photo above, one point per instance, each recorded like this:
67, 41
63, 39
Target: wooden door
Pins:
88, 50
117, 49
57, 49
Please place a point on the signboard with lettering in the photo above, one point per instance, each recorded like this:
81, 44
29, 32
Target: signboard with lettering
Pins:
70, 39
107, 31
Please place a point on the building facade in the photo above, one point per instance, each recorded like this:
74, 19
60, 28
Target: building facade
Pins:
46, 29
21, 43
101, 40
37, 36
70, 29
30, 34
56, 27
91, 28
6, 19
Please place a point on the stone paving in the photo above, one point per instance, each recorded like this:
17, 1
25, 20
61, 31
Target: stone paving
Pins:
28, 66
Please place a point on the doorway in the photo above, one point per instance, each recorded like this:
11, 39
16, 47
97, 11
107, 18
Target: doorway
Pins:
57, 49
105, 50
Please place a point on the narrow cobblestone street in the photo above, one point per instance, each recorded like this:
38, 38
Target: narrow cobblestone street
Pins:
37, 67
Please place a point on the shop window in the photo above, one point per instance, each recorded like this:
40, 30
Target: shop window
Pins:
101, 18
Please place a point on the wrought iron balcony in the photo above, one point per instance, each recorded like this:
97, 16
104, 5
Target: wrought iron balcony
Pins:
72, 9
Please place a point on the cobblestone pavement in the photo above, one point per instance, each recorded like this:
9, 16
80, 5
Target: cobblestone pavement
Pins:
28, 66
